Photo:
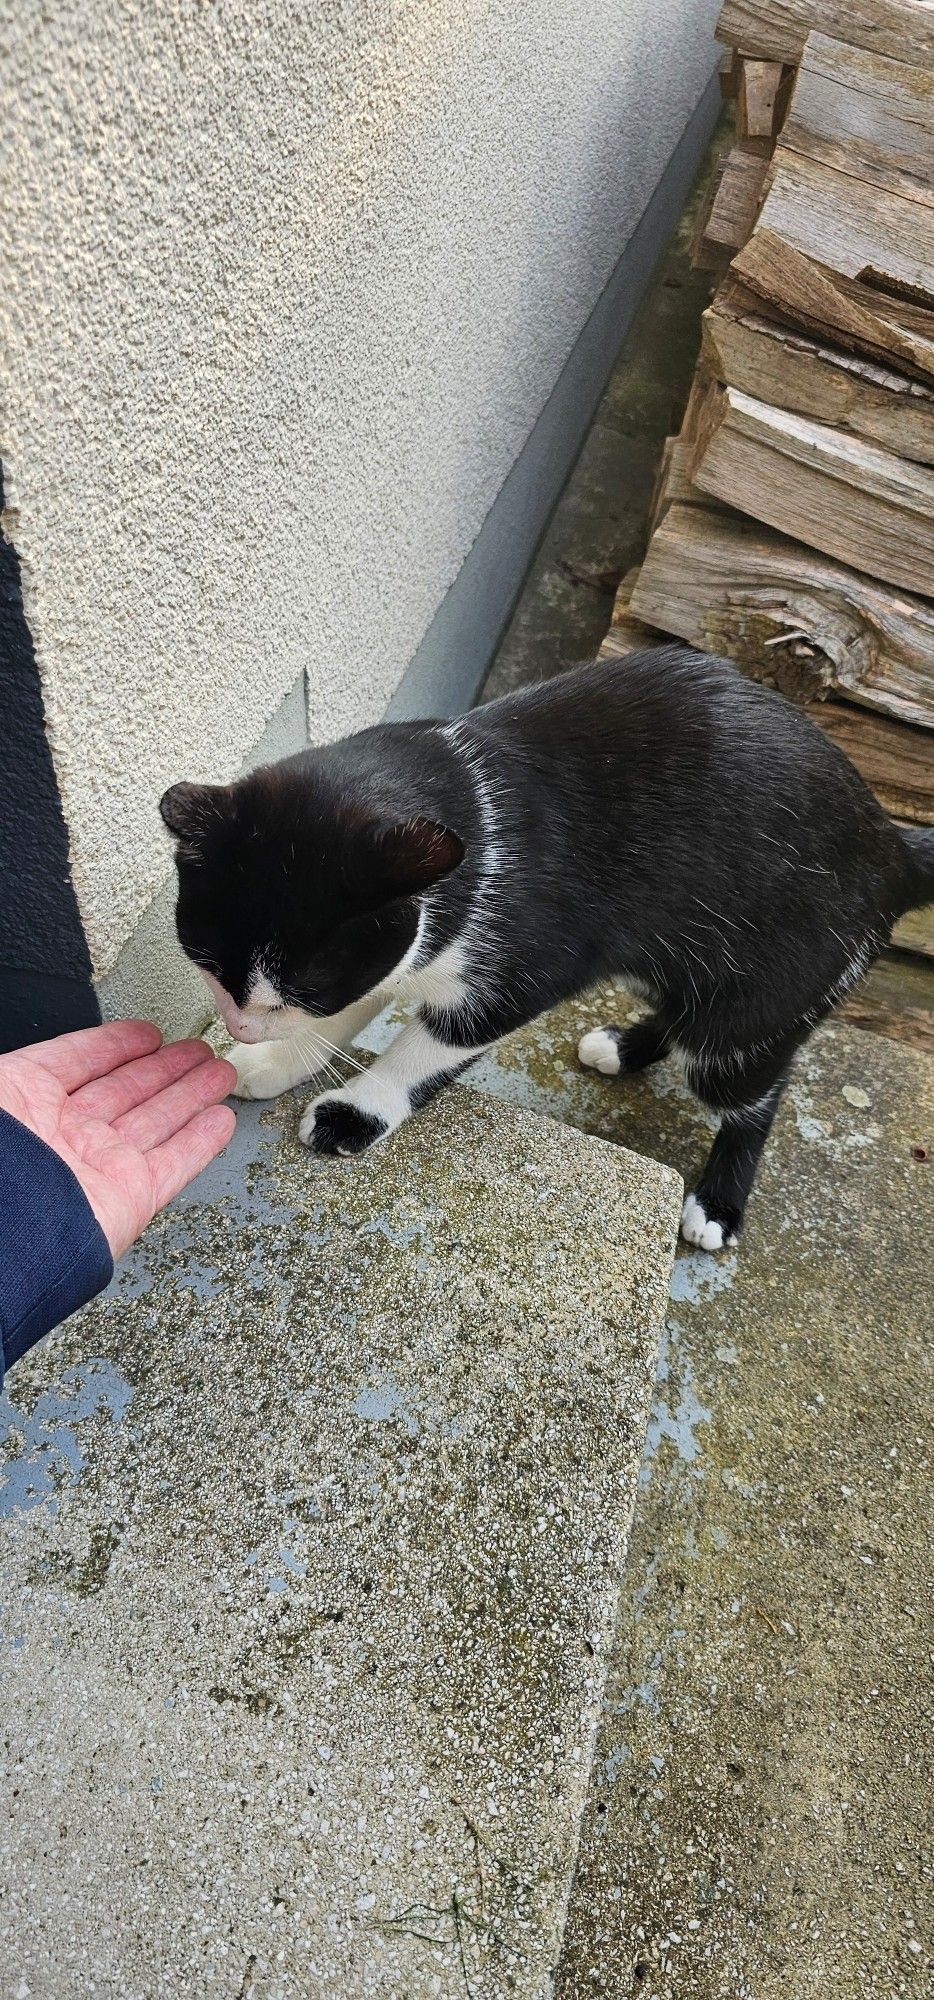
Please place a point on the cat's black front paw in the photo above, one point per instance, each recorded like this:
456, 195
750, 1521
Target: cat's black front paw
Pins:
336, 1125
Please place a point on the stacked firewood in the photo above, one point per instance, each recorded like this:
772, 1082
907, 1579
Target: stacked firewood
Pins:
793, 523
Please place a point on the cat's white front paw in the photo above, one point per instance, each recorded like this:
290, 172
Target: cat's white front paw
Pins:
266, 1069
700, 1229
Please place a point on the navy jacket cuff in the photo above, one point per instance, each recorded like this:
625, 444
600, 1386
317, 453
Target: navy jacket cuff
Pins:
54, 1255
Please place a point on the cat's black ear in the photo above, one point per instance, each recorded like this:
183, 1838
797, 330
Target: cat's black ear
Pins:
188, 809
413, 855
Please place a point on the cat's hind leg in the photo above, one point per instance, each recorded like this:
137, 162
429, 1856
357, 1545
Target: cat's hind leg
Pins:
623, 1051
713, 1215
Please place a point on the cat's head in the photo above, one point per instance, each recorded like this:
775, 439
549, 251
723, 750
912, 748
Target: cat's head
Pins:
292, 902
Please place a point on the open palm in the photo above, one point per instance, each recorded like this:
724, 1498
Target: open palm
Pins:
135, 1121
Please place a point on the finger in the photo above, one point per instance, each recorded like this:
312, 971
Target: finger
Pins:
75, 1059
176, 1162
109, 1097
149, 1124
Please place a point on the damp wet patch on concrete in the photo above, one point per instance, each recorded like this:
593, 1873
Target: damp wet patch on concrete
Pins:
313, 1534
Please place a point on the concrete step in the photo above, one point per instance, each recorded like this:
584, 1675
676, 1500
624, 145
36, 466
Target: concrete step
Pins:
312, 1544
759, 1819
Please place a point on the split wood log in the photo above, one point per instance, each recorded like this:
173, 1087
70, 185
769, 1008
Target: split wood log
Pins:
786, 614
864, 231
728, 73
673, 486
757, 99
867, 507
627, 634
804, 290
733, 209
778, 29
673, 482
886, 1015
865, 115
748, 349
916, 932
620, 642
896, 761
698, 396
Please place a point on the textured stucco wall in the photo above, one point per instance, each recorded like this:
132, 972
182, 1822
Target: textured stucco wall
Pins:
285, 290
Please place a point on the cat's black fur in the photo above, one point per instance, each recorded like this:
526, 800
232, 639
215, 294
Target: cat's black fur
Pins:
665, 820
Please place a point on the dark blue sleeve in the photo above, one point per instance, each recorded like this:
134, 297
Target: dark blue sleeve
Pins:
54, 1255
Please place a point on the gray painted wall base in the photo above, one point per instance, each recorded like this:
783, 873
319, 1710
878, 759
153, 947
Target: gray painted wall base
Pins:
452, 661
151, 977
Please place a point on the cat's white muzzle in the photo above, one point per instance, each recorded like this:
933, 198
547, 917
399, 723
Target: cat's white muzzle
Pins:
257, 1021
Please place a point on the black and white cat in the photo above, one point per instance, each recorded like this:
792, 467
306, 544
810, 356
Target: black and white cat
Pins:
665, 820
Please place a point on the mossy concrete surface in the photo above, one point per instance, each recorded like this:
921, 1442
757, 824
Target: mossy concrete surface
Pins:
312, 1543
759, 1825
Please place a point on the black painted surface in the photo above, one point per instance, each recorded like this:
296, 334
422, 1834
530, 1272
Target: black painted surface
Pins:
34, 1006
45, 967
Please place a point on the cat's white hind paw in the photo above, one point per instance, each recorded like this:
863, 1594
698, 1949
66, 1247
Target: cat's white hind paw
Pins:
266, 1069
699, 1229
599, 1049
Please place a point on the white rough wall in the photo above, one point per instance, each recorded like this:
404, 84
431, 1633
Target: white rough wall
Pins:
285, 288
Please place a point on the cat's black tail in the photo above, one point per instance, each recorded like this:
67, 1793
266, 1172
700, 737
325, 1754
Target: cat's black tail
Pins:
919, 841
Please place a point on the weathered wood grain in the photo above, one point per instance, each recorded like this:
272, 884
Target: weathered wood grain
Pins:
867, 507
673, 482
865, 115
864, 231
896, 761
626, 633
805, 291
916, 932
757, 99
787, 615
673, 487
778, 29
728, 73
733, 209
744, 346
884, 1014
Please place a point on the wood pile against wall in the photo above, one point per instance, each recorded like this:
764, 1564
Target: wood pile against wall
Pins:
812, 413
793, 523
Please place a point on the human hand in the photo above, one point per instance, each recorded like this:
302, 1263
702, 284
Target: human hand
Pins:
135, 1121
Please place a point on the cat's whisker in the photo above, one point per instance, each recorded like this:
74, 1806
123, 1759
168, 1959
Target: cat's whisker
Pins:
328, 1063
321, 1054
312, 1052
324, 1073
336, 1050
327, 1070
